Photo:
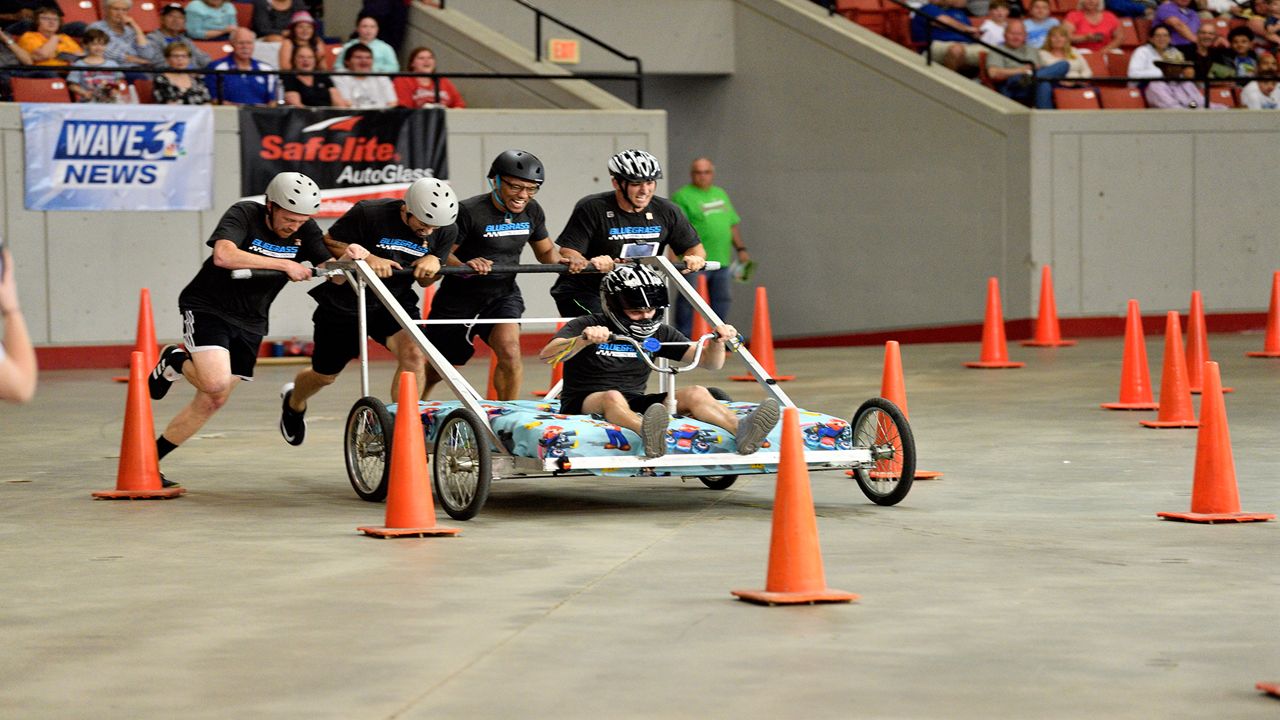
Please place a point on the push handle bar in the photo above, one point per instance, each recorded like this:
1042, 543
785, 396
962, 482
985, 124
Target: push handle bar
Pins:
245, 274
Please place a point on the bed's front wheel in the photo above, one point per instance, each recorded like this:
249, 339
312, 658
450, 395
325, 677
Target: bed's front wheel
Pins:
367, 448
719, 482
460, 468
881, 427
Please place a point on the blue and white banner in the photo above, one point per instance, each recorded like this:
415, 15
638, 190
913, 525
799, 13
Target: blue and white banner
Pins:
118, 157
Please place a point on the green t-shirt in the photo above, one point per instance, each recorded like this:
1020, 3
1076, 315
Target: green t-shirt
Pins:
712, 215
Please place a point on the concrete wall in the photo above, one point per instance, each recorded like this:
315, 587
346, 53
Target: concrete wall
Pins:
79, 273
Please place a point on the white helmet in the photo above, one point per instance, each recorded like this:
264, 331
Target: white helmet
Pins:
635, 166
432, 201
294, 192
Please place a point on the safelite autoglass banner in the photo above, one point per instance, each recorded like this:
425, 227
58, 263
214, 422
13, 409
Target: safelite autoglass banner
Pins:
118, 157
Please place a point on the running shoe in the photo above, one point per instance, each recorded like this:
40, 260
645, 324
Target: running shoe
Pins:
755, 427
293, 424
167, 369
653, 430
167, 483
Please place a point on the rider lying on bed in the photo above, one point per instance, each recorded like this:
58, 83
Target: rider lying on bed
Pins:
609, 379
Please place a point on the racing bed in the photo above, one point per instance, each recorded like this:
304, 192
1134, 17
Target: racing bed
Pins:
472, 441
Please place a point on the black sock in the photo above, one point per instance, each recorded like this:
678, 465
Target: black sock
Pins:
164, 447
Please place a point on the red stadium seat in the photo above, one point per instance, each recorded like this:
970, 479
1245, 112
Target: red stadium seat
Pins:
1121, 98
244, 14
1075, 99
1097, 63
85, 11
143, 89
40, 90
1118, 63
147, 14
1223, 95
215, 49
1129, 34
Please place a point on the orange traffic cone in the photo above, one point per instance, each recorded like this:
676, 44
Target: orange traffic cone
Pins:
1214, 497
1135, 374
1175, 394
491, 390
145, 339
1269, 688
762, 341
894, 389
795, 557
1047, 332
700, 326
1271, 346
428, 294
138, 473
410, 509
557, 373
995, 352
1197, 345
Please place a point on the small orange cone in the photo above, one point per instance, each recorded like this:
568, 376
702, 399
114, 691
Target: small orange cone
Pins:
138, 473
411, 511
894, 389
1269, 688
1214, 496
1047, 332
1135, 374
700, 326
145, 341
1175, 394
557, 373
995, 352
1197, 345
491, 390
795, 558
762, 341
1271, 346
428, 294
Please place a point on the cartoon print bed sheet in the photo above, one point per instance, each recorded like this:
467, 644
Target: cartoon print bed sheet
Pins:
536, 429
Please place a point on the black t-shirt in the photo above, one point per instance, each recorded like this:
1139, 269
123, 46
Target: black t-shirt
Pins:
484, 231
314, 95
599, 227
245, 303
377, 226
612, 366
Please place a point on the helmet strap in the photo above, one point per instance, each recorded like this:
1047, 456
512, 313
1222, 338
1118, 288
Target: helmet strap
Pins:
494, 182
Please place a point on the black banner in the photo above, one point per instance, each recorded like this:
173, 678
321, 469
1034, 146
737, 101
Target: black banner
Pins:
341, 148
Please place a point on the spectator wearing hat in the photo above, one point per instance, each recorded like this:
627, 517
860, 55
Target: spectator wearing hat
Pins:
302, 32
46, 45
272, 17
1169, 93
210, 19
173, 29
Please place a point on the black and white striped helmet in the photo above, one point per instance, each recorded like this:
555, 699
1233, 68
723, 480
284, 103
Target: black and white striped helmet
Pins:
633, 287
635, 166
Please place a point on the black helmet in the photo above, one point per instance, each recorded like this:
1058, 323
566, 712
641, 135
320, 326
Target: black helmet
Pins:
633, 287
635, 166
517, 164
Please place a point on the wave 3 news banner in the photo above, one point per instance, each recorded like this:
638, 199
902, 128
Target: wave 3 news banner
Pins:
118, 157
341, 149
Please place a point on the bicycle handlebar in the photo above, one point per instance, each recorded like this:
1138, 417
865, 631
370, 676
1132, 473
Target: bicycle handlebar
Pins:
652, 345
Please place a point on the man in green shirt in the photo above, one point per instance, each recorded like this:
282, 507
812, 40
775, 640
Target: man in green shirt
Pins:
712, 215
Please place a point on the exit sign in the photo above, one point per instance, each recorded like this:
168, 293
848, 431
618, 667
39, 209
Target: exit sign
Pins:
564, 52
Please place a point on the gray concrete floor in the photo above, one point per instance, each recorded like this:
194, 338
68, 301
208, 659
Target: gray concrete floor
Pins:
1033, 581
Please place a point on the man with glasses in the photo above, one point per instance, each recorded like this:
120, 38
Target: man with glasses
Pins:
631, 221
493, 229
173, 29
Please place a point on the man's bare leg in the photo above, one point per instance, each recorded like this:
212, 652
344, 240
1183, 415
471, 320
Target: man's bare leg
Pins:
507, 376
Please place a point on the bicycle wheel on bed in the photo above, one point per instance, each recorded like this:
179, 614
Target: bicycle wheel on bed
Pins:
880, 426
367, 448
460, 469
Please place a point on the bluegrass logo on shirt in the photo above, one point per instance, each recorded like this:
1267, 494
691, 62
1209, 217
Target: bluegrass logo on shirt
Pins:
403, 246
262, 247
638, 232
506, 229
618, 350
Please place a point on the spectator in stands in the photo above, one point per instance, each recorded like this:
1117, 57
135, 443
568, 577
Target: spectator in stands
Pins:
952, 44
272, 17
421, 91
992, 28
1038, 23
173, 30
46, 45
1057, 48
1261, 94
1266, 27
311, 89
1182, 20
302, 31
1267, 64
243, 89
16, 11
1207, 57
1142, 64
1020, 79
384, 56
17, 357
88, 84
11, 53
178, 88
1242, 59
1093, 28
1169, 94
392, 17
211, 19
1132, 8
128, 44
364, 91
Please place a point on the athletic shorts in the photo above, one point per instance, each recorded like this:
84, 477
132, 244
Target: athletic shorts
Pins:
457, 342
337, 336
205, 331
572, 404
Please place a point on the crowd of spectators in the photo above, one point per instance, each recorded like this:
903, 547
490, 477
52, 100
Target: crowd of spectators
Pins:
104, 61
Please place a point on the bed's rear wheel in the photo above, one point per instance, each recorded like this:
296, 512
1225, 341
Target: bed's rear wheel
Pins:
460, 469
